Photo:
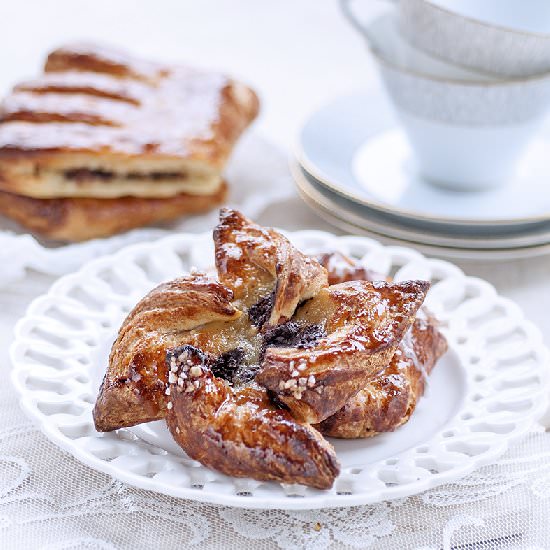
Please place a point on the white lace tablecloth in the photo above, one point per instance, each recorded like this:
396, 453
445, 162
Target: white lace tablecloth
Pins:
49, 500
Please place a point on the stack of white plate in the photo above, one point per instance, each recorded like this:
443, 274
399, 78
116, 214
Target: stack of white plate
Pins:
354, 167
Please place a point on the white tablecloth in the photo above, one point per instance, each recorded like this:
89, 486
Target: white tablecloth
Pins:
298, 55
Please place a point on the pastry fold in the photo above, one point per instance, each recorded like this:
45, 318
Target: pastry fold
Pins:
134, 385
267, 274
362, 325
240, 431
390, 398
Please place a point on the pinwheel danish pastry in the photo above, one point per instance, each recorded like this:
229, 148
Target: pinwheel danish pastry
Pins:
241, 368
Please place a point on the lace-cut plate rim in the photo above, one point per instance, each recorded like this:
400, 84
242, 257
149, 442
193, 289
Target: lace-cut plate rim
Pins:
489, 389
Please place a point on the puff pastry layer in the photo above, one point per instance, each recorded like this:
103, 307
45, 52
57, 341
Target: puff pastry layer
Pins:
78, 219
389, 399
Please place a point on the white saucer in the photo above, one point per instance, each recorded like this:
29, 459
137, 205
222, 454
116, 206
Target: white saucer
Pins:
324, 200
354, 147
346, 223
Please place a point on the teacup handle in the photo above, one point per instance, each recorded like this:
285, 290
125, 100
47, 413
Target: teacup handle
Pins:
348, 13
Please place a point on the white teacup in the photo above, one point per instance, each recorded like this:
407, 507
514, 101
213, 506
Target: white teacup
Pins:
467, 130
508, 38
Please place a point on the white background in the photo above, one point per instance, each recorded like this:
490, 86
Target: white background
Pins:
298, 55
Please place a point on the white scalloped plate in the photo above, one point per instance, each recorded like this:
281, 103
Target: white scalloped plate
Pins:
489, 388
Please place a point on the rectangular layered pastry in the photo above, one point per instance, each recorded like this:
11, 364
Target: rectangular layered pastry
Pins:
101, 124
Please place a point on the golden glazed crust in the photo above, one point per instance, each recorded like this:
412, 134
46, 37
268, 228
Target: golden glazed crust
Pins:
240, 432
102, 124
259, 263
364, 323
388, 401
78, 219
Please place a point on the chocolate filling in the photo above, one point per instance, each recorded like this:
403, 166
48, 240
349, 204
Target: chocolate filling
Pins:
231, 365
81, 175
227, 364
259, 313
293, 335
